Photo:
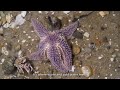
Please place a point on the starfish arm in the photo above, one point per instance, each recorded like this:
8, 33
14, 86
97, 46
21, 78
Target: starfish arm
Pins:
66, 54
39, 28
60, 57
40, 54
69, 30
55, 59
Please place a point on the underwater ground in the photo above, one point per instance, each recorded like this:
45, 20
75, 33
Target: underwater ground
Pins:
95, 44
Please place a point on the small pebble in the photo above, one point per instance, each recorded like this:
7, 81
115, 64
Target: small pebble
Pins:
105, 77
76, 49
110, 74
39, 11
114, 15
111, 59
29, 36
23, 41
32, 39
100, 57
86, 70
86, 34
24, 31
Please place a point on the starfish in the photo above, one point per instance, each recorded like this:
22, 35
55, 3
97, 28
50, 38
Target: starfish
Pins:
53, 45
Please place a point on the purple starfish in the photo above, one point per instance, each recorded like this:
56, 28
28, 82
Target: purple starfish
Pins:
53, 45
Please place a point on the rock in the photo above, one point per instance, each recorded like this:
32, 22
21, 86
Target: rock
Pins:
87, 71
76, 49
78, 34
86, 34
8, 65
103, 13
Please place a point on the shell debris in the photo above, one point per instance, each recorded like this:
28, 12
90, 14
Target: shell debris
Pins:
86, 70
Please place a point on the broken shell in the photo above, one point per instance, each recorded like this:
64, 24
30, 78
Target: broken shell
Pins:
23, 13
103, 13
8, 18
87, 71
86, 34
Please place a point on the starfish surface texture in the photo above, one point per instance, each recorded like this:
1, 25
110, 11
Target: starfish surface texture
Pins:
53, 45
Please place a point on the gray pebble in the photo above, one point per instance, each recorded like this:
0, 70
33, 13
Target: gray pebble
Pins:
78, 34
8, 65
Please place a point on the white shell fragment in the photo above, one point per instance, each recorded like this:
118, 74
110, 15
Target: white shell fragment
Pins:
23, 13
19, 20
86, 34
73, 68
103, 13
66, 12
86, 70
